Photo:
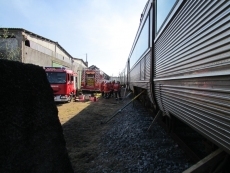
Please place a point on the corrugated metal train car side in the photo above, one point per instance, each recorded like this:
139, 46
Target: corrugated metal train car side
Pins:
192, 68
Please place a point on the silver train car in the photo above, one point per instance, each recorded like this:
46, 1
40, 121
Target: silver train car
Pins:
123, 77
182, 59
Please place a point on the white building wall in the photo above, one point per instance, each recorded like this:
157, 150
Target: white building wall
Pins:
44, 52
78, 66
48, 47
42, 42
38, 58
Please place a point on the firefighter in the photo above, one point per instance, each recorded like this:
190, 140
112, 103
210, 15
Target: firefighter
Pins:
102, 88
106, 89
117, 90
112, 90
109, 89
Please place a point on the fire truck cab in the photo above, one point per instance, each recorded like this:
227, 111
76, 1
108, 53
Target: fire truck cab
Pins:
63, 82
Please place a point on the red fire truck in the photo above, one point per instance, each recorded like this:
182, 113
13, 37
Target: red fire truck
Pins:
91, 79
63, 82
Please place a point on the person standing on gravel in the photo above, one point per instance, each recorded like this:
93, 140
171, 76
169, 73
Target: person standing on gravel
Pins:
109, 89
106, 89
102, 88
117, 90
112, 90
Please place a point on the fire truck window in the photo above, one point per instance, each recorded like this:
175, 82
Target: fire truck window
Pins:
71, 78
90, 76
90, 80
56, 77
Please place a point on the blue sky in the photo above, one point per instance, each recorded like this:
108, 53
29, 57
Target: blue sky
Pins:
102, 29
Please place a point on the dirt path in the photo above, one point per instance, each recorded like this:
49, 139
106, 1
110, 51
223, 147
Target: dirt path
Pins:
69, 110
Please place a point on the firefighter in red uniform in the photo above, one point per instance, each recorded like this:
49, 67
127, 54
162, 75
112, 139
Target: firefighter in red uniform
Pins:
106, 89
102, 88
109, 90
112, 90
117, 90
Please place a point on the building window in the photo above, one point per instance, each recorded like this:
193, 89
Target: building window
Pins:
27, 43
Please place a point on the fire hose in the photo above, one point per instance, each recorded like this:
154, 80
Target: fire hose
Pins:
123, 107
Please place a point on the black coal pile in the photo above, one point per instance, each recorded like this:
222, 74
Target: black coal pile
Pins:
31, 136
128, 147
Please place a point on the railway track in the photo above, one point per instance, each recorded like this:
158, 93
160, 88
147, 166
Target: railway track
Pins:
197, 147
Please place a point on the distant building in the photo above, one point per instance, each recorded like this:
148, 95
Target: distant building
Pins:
114, 78
24, 46
79, 66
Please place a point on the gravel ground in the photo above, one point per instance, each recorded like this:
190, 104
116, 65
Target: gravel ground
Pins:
128, 147
121, 145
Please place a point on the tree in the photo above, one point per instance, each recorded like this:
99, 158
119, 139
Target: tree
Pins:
9, 48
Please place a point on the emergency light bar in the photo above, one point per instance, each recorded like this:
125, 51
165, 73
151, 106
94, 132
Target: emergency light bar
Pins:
55, 68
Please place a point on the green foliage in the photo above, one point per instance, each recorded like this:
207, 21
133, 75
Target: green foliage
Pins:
9, 48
